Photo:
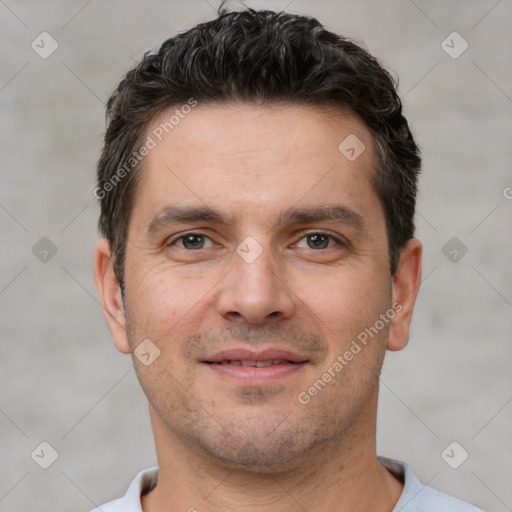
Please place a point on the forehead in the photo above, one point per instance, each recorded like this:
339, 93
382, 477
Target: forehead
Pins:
228, 129
257, 160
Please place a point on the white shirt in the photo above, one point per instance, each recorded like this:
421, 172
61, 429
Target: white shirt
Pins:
415, 497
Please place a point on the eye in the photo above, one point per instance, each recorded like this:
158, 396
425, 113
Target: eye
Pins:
320, 241
191, 241
194, 241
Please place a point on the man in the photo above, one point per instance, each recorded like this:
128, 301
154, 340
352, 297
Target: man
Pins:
257, 188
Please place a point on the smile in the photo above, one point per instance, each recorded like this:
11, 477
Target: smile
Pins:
254, 372
257, 364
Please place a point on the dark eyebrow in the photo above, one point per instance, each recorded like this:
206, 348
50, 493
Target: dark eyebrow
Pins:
306, 215
334, 213
186, 214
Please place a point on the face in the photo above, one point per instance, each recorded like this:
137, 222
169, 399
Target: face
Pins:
256, 255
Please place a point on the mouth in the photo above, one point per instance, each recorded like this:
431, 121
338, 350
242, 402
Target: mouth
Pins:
254, 364
255, 367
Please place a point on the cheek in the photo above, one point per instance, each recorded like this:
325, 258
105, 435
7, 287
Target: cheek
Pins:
163, 301
345, 296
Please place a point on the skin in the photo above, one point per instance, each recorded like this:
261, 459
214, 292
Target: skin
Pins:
227, 445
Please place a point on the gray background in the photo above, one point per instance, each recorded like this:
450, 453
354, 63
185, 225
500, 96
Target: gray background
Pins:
61, 379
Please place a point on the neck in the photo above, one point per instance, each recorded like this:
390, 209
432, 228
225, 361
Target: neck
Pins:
343, 476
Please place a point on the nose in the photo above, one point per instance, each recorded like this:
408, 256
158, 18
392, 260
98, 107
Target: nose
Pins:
255, 290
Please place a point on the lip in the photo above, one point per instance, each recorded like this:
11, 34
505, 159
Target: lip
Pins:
249, 355
246, 375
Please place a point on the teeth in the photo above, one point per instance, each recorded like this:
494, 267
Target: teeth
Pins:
262, 364
257, 364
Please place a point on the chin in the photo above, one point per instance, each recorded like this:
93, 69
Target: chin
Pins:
260, 452
251, 459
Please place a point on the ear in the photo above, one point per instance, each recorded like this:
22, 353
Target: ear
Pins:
406, 284
110, 295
